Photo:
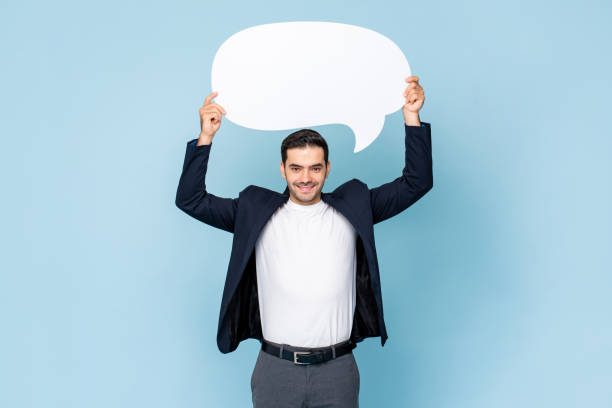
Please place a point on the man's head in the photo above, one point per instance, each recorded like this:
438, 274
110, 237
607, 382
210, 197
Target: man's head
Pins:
305, 165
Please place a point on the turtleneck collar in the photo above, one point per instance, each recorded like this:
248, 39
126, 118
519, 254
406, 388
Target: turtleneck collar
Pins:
302, 207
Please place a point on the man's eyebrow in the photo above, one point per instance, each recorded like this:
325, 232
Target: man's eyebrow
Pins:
297, 165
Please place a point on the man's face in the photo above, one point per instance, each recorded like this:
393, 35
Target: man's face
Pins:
305, 171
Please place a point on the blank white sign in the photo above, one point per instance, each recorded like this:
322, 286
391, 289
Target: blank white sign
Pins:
292, 75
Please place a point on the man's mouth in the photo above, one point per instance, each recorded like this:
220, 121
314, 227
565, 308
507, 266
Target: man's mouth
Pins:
305, 189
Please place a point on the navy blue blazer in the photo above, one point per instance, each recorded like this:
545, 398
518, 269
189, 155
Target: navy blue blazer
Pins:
246, 215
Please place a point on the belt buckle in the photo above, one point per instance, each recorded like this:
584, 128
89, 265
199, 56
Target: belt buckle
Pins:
296, 353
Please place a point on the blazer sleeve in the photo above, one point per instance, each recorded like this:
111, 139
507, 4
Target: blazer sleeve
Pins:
394, 197
191, 194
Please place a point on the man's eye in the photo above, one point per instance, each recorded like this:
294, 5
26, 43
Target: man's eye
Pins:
294, 169
317, 169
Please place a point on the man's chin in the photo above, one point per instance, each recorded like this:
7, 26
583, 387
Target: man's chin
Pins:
305, 197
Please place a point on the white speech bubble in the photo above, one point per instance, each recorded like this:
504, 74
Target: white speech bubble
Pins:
300, 74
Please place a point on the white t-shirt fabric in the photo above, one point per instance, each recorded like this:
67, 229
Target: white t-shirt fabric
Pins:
306, 264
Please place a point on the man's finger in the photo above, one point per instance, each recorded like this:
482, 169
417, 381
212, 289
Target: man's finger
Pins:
213, 107
214, 118
209, 97
411, 91
218, 106
412, 78
411, 86
412, 96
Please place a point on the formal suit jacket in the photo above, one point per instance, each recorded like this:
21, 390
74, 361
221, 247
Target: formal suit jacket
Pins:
246, 215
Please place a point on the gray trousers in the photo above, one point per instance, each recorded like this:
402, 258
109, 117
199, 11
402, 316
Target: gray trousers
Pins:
276, 382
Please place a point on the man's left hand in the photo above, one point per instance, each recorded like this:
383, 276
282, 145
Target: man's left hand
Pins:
415, 97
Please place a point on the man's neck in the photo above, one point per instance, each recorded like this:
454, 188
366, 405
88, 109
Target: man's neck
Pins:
303, 203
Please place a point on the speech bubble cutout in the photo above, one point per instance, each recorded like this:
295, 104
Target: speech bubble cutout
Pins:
300, 74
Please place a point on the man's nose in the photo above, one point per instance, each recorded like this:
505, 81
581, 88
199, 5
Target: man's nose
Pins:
305, 177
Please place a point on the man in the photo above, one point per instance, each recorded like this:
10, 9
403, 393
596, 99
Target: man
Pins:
303, 274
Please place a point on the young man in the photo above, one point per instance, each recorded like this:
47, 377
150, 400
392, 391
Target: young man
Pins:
303, 275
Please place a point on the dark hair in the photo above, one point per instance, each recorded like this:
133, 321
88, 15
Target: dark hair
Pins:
303, 138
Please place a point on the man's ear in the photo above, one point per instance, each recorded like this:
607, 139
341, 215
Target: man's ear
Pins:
282, 169
328, 168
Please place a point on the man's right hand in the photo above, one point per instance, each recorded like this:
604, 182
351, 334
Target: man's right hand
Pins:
210, 119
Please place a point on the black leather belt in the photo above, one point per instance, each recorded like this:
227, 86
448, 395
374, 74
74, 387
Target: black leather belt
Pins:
303, 355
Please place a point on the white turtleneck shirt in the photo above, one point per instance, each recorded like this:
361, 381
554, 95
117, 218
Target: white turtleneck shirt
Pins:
305, 260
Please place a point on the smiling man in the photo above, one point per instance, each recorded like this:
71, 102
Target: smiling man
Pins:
303, 275
305, 165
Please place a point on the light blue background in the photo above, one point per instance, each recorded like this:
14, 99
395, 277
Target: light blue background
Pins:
496, 285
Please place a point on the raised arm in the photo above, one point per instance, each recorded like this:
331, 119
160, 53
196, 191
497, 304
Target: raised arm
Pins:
191, 194
394, 197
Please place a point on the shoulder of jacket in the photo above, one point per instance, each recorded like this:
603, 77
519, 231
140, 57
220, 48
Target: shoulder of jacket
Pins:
357, 182
352, 184
258, 191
